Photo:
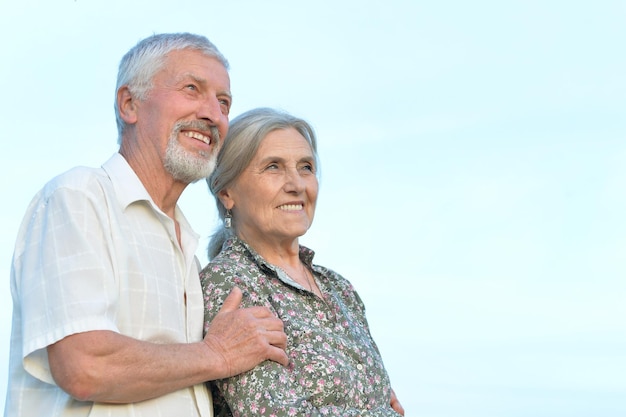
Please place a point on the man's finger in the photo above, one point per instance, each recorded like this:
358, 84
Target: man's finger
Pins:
232, 302
278, 355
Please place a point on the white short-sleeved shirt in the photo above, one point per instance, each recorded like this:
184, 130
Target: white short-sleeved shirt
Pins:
95, 253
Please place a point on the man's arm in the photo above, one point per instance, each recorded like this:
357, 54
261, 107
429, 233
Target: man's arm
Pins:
105, 366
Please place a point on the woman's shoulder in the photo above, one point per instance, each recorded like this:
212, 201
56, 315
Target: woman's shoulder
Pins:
340, 285
220, 276
333, 276
232, 266
225, 264
230, 269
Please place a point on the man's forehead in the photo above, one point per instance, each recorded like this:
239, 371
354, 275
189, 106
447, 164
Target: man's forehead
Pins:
192, 61
193, 65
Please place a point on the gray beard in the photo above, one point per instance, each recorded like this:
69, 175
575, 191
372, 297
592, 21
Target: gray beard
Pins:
186, 166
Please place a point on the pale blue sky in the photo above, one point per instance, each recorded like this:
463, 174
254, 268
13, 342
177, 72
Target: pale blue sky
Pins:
473, 171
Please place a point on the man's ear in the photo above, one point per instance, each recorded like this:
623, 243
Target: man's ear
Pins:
126, 105
226, 199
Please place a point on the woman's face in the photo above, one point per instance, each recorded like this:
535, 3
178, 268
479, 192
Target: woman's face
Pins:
273, 200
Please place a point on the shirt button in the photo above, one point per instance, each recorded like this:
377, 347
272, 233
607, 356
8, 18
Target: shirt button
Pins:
359, 367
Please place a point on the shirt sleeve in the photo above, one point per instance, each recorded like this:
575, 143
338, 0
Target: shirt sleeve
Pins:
66, 282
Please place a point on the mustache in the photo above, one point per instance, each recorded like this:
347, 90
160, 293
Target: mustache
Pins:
198, 125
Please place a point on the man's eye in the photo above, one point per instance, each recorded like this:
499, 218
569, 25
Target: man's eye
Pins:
191, 87
225, 106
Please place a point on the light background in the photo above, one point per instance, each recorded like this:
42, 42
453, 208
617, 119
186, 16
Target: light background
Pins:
473, 171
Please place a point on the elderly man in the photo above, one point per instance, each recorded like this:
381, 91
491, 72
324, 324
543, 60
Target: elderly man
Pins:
108, 309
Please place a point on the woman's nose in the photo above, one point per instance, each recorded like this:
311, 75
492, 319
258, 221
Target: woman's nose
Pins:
293, 181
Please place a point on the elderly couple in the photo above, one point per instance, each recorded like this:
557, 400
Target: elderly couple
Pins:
111, 313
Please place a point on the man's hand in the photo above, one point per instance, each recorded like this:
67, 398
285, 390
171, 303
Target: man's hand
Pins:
245, 337
395, 404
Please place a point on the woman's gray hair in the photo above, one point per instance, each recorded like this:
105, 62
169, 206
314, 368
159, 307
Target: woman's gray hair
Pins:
140, 64
245, 134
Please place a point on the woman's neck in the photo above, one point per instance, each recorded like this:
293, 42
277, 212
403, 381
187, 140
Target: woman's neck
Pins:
286, 256
284, 253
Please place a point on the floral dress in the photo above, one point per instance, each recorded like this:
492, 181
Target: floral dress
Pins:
335, 368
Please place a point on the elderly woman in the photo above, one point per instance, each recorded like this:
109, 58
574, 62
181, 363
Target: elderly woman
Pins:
265, 185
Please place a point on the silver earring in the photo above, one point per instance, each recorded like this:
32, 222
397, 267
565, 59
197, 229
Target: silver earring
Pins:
228, 219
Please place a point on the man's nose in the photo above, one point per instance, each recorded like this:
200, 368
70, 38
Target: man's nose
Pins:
210, 110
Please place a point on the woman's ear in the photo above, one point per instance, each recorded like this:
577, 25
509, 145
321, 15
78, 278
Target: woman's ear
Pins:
226, 199
126, 105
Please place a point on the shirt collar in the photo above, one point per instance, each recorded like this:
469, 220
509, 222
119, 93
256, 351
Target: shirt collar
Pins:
238, 245
129, 189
